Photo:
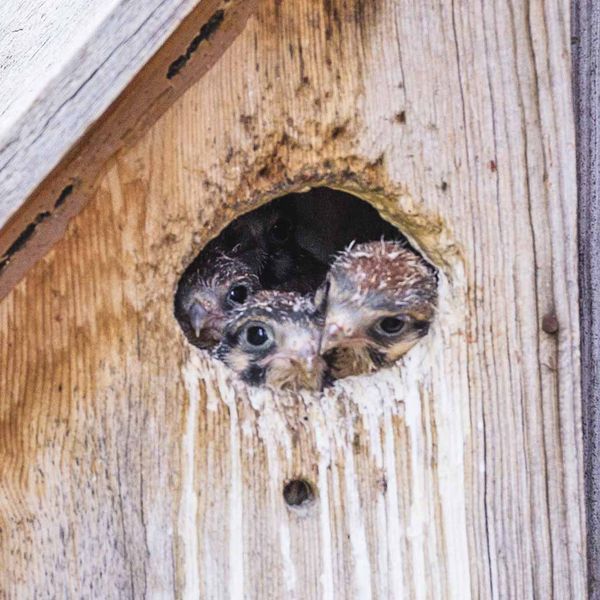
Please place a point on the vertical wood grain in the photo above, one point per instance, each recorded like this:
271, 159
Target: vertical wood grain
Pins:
586, 87
132, 465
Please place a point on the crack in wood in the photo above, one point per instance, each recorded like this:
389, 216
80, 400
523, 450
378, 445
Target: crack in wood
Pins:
26, 234
206, 31
63, 196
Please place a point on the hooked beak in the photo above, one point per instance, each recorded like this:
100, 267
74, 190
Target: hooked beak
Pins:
333, 335
305, 357
198, 316
337, 334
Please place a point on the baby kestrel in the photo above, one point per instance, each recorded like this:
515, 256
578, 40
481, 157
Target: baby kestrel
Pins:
379, 299
273, 340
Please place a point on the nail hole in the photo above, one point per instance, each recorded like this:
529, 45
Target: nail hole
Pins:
550, 323
298, 493
400, 117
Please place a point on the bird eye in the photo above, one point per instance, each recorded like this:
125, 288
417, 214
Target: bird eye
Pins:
281, 230
391, 325
238, 294
257, 336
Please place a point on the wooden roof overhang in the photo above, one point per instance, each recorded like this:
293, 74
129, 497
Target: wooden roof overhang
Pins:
79, 82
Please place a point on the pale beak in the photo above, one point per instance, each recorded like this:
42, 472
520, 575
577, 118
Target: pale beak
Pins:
198, 316
334, 335
298, 354
307, 355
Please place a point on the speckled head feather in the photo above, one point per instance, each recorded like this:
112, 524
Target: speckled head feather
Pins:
211, 290
273, 339
379, 299
387, 273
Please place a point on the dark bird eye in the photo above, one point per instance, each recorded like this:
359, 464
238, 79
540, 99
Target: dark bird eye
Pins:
281, 230
238, 294
257, 336
391, 325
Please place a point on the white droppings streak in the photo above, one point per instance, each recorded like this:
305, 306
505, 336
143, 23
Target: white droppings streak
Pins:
393, 530
372, 406
451, 468
211, 569
323, 447
289, 570
275, 436
236, 505
188, 510
419, 508
356, 532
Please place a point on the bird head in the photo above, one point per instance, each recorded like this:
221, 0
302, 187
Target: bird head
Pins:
379, 298
274, 340
209, 293
263, 230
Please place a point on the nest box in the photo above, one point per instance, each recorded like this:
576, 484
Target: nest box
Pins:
133, 464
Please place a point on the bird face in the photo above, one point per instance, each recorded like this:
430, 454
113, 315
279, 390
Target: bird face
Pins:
274, 340
379, 300
209, 295
265, 230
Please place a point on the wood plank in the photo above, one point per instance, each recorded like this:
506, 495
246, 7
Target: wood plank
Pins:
131, 465
91, 77
63, 64
586, 85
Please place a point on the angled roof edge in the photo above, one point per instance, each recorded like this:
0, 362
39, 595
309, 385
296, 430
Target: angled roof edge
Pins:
131, 68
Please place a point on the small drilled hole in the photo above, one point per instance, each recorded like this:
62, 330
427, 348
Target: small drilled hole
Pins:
298, 492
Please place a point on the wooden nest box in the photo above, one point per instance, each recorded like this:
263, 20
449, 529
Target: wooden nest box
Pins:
134, 465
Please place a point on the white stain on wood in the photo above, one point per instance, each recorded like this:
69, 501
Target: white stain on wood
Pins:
326, 573
188, 508
236, 504
356, 532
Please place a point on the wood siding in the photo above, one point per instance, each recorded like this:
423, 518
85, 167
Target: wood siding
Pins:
586, 83
132, 466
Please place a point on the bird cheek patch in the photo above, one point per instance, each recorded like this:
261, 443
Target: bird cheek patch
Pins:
399, 349
254, 375
238, 360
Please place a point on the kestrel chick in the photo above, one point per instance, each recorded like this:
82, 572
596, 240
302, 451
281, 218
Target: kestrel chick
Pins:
270, 232
293, 269
209, 291
264, 230
273, 340
379, 298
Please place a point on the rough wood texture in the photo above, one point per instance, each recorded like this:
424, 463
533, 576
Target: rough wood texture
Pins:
51, 126
133, 466
63, 64
586, 80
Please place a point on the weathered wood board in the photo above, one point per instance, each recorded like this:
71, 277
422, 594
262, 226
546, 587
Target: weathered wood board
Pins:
62, 65
96, 103
586, 79
133, 466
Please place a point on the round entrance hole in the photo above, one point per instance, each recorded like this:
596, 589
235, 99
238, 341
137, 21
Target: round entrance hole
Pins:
298, 493
309, 288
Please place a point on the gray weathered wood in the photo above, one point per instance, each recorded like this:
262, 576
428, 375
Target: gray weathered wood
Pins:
131, 465
586, 63
40, 219
62, 65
